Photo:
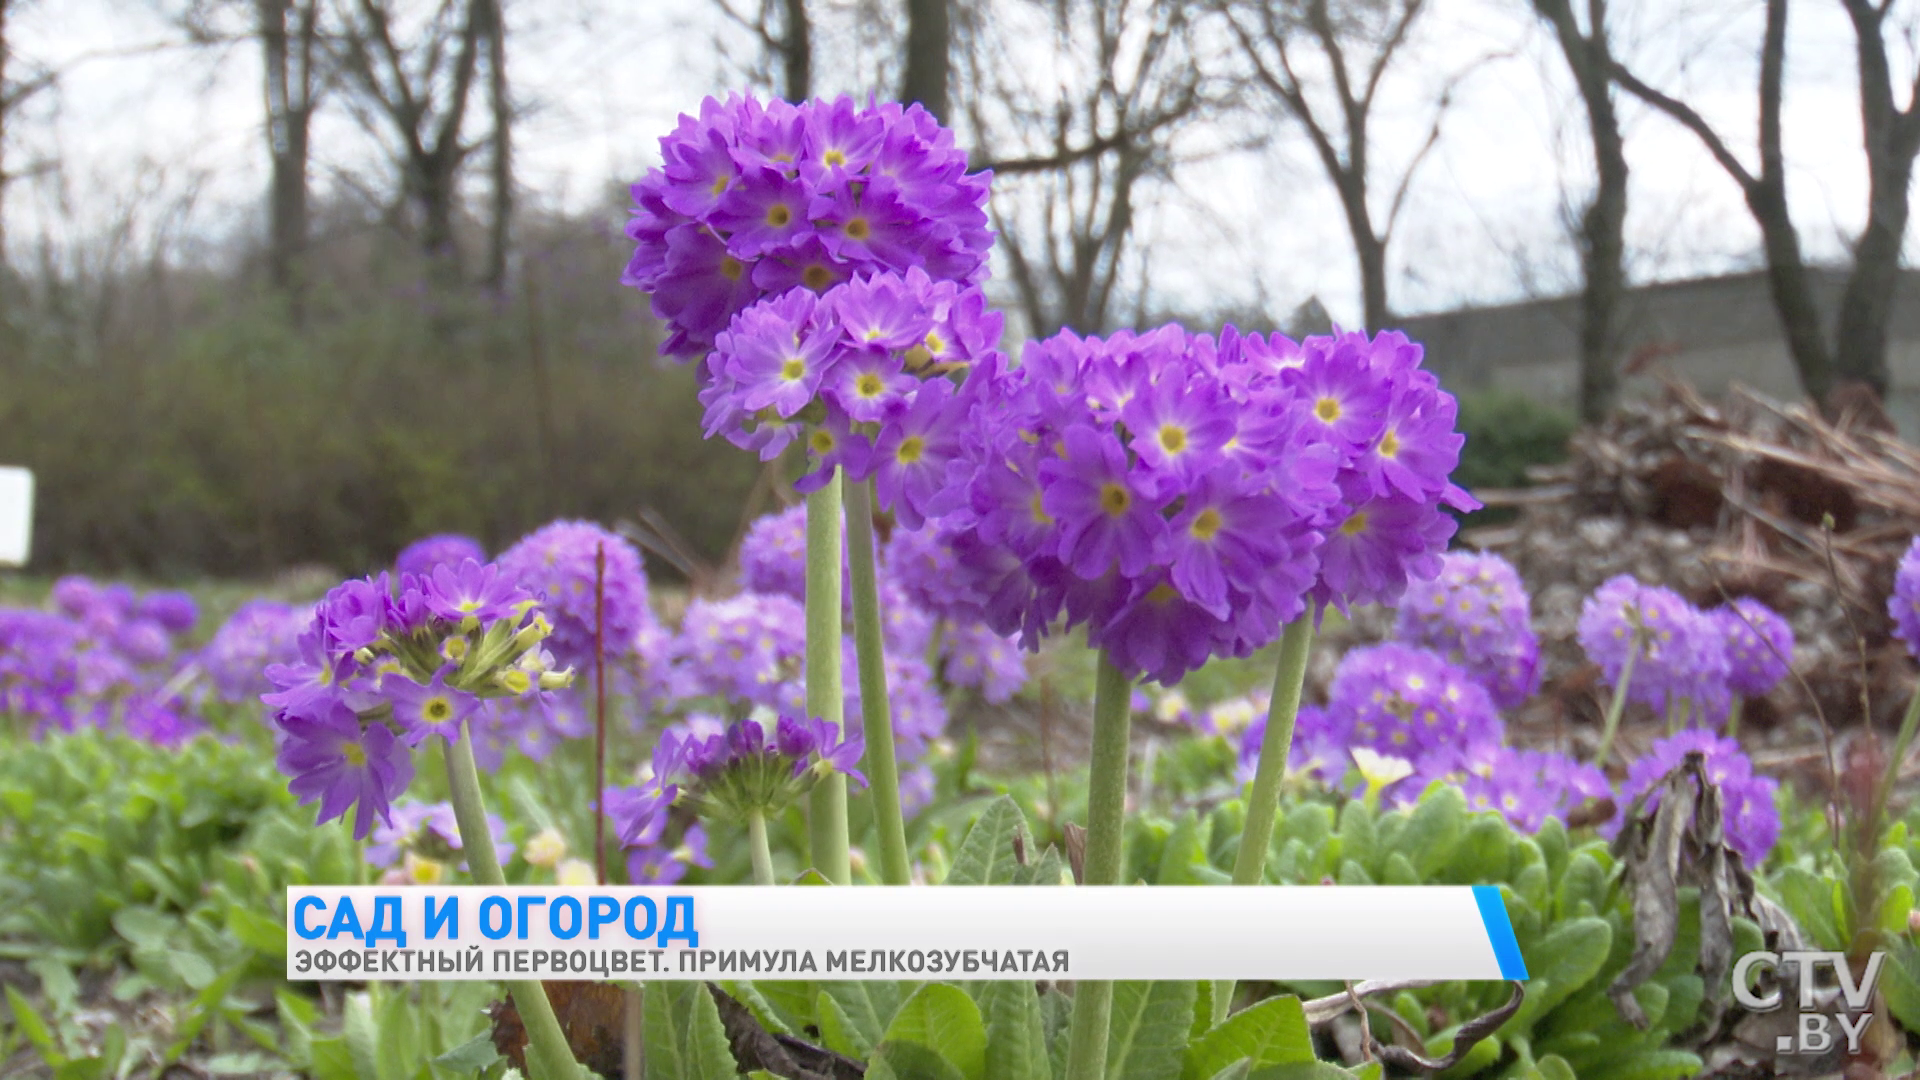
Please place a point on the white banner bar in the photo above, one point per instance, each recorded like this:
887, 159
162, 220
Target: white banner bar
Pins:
995, 932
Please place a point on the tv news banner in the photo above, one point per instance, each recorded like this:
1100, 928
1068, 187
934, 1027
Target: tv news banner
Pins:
410, 932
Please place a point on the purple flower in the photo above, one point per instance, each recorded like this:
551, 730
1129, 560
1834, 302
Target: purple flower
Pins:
1475, 613
1904, 603
474, 590
175, 612
1680, 653
333, 759
1751, 820
259, 633
1409, 703
421, 557
773, 554
661, 864
354, 614
1759, 646
424, 711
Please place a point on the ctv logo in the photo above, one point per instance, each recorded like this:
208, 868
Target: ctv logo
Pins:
1818, 1012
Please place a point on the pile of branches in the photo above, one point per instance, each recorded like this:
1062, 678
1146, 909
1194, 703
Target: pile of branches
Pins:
1741, 497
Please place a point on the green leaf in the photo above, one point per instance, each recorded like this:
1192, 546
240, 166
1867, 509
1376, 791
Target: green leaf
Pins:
1302, 1070
770, 1016
1647, 1065
471, 1056
144, 927
194, 970
363, 1038
1900, 982
33, 1027
1810, 900
837, 1029
911, 1061
810, 876
684, 1037
944, 1019
1433, 830
1562, 962
332, 1060
1274, 1032
1236, 1071
257, 932
1147, 1039
1016, 1033
1049, 869
985, 857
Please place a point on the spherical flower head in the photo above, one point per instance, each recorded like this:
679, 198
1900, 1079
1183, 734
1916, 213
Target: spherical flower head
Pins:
1130, 485
1759, 646
259, 633
1409, 702
557, 564
742, 772
1524, 786
755, 198
1475, 613
353, 614
1318, 749
174, 611
746, 650
143, 641
974, 655
421, 557
1751, 821
162, 723
1680, 653
667, 864
336, 760
773, 554
922, 564
1904, 603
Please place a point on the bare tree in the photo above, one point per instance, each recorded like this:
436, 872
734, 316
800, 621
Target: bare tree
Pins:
15, 91
1765, 192
1358, 41
500, 103
929, 56
1071, 157
784, 34
414, 97
289, 32
1603, 224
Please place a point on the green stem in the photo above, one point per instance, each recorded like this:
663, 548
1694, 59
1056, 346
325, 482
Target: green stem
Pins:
1263, 802
1615, 707
1106, 833
757, 847
883, 771
1901, 743
548, 1055
1733, 716
826, 693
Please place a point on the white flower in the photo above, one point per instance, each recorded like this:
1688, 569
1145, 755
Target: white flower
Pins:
576, 872
546, 849
1380, 770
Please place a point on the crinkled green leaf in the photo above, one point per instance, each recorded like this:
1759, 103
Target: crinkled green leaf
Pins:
684, 1037
1274, 1032
944, 1019
985, 857
1147, 1037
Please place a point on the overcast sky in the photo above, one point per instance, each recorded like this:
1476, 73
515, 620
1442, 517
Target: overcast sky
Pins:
139, 128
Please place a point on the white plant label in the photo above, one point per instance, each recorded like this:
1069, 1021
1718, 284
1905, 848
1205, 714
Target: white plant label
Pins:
16, 515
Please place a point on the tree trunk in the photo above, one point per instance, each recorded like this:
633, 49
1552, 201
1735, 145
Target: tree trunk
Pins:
796, 52
929, 39
289, 90
1603, 243
4, 109
1767, 198
502, 166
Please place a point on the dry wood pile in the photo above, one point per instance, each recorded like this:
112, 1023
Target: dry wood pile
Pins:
1744, 496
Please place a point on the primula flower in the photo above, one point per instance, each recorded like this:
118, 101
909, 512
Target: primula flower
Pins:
1475, 613
1759, 645
1681, 656
175, 612
753, 199
432, 709
421, 557
1409, 702
334, 759
557, 564
259, 633
731, 776
1751, 820
1903, 605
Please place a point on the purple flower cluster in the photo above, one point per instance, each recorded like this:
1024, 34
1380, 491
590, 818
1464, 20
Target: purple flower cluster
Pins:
259, 633
731, 775
754, 199
444, 549
747, 651
1524, 786
773, 555
1183, 498
106, 657
859, 376
1751, 821
384, 668
426, 831
1475, 613
558, 565
1409, 703
1680, 652
1759, 646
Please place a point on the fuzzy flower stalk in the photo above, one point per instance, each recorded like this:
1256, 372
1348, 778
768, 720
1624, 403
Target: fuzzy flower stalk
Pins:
824, 258
384, 667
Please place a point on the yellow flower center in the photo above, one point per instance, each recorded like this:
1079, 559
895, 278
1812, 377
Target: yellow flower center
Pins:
816, 277
1114, 499
793, 368
1327, 409
731, 268
1161, 594
858, 229
868, 385
355, 754
834, 157
1173, 438
1354, 524
779, 215
821, 441
1040, 515
437, 709
719, 183
1389, 444
912, 448
935, 343
1206, 524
